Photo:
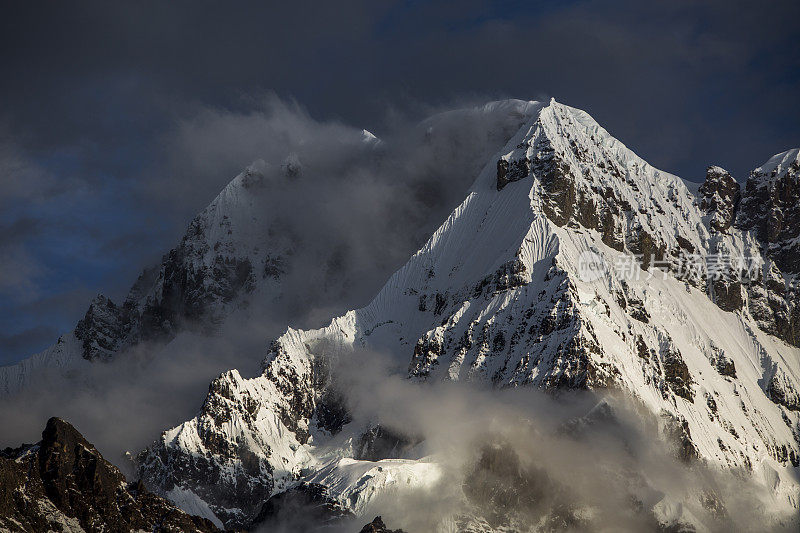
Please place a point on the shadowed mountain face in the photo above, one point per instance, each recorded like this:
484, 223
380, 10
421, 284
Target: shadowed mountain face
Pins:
63, 483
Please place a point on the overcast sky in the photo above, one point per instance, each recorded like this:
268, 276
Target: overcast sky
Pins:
110, 111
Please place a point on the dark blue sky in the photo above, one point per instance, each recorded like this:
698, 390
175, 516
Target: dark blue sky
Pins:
101, 163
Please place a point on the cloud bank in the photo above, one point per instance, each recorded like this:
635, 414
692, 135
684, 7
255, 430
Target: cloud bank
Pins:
518, 458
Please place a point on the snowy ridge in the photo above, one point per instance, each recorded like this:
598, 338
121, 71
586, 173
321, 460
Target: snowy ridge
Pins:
63, 355
355, 483
496, 295
778, 166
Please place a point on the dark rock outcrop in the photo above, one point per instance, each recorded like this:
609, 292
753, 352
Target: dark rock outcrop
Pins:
676, 429
300, 508
727, 294
779, 389
510, 171
64, 482
676, 373
720, 195
506, 493
103, 329
380, 442
377, 526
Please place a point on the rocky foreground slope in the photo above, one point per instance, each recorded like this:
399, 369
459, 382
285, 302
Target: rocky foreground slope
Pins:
572, 264
62, 483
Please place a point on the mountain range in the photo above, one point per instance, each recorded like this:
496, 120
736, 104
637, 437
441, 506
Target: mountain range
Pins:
579, 314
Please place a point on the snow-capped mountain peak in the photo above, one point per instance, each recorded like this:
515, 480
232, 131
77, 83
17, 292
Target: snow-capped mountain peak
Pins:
564, 268
779, 165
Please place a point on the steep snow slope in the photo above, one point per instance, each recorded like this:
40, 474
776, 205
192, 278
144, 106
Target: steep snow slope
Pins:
502, 293
357, 482
64, 355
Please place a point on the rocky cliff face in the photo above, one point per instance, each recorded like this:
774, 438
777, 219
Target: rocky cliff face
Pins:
753, 243
103, 329
571, 264
63, 483
214, 267
245, 442
720, 195
770, 209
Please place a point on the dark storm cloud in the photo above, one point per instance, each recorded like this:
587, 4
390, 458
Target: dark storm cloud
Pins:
18, 231
18, 267
644, 68
23, 342
681, 81
107, 107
